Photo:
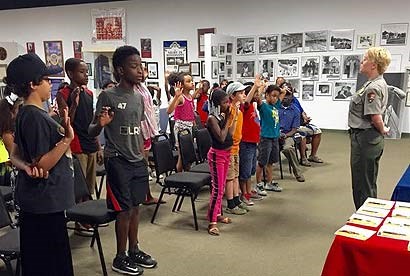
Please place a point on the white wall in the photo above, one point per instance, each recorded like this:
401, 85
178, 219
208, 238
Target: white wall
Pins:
179, 19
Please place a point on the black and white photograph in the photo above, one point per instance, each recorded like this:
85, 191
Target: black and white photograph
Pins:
221, 78
288, 68
296, 86
195, 69
394, 34
307, 90
203, 69
245, 46
344, 90
221, 67
316, 41
229, 47
341, 40
89, 69
365, 41
394, 116
408, 99
351, 66
152, 68
229, 72
310, 68
184, 67
323, 89
268, 44
214, 68
214, 51
291, 43
153, 83
221, 51
266, 69
228, 59
331, 67
245, 69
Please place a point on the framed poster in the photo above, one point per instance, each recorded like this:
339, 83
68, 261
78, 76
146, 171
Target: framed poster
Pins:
53, 53
307, 90
266, 69
331, 67
152, 68
394, 34
214, 69
55, 84
146, 50
365, 41
221, 50
310, 68
351, 66
291, 43
201, 40
203, 69
221, 67
89, 69
341, 40
183, 68
268, 44
30, 46
323, 89
288, 67
108, 25
175, 54
78, 49
316, 41
245, 45
229, 48
194, 69
296, 86
344, 90
245, 69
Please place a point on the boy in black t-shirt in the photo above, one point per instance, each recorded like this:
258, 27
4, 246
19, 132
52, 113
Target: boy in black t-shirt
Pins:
120, 111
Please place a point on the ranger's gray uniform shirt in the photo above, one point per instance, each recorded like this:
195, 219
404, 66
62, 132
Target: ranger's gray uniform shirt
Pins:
123, 135
371, 99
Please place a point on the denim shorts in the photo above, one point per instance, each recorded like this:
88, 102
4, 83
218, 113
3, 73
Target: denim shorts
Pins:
268, 151
247, 160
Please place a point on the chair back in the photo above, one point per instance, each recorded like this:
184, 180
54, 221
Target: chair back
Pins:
80, 185
162, 153
204, 143
171, 121
5, 219
186, 148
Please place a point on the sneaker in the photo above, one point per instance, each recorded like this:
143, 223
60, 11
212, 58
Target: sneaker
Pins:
260, 189
300, 178
248, 202
143, 259
305, 162
243, 206
124, 265
274, 187
255, 195
236, 211
83, 230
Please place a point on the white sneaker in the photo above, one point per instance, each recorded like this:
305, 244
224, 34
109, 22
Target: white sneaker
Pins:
274, 187
260, 189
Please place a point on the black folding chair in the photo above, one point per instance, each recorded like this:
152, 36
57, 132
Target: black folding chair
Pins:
100, 171
204, 143
188, 155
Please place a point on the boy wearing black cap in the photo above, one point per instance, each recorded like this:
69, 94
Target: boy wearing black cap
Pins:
45, 181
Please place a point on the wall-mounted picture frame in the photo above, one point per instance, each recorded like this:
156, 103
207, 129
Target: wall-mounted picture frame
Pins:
3, 72
316, 41
341, 40
183, 68
203, 69
214, 68
30, 47
108, 25
152, 68
201, 40
175, 54
308, 88
266, 69
146, 48
228, 60
296, 86
143, 64
221, 78
89, 69
344, 90
229, 48
214, 51
54, 59
153, 83
287, 67
78, 49
229, 72
245, 69
221, 50
291, 43
408, 99
268, 44
310, 68
195, 69
394, 34
245, 46
221, 67
365, 41
331, 67
323, 89
351, 66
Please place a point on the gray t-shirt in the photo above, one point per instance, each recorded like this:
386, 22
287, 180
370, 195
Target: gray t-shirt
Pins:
371, 99
123, 135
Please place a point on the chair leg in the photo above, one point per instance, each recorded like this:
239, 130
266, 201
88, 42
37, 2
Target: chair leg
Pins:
280, 166
101, 253
176, 200
94, 235
158, 204
180, 202
193, 210
98, 192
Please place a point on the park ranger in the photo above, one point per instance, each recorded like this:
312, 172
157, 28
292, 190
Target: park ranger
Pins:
367, 129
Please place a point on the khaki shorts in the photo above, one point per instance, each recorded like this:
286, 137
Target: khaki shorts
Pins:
88, 163
233, 170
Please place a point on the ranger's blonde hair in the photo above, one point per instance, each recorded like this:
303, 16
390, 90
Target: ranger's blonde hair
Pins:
380, 56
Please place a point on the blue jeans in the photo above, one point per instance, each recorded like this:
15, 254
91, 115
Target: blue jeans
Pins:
247, 160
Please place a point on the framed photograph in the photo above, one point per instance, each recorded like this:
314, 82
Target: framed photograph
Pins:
146, 49
245, 45
153, 83
344, 90
221, 67
296, 87
266, 69
395, 64
316, 41
394, 34
184, 67
152, 68
288, 68
291, 43
331, 67
221, 50
3, 71
108, 25
89, 69
175, 54
310, 68
323, 89
229, 47
229, 72
408, 99
214, 68
144, 64
307, 90
351, 66
214, 51
201, 40
78, 49
53, 53
31, 48
195, 69
245, 69
365, 41
203, 69
341, 40
221, 78
228, 60
268, 44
